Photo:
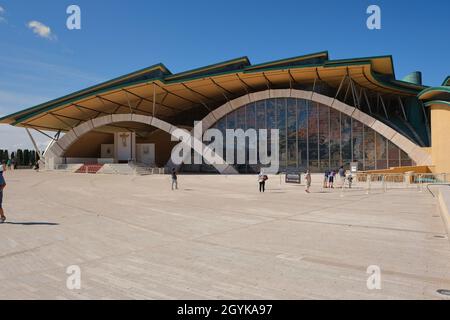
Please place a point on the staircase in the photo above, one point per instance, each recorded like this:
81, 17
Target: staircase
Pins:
67, 167
142, 169
89, 168
117, 168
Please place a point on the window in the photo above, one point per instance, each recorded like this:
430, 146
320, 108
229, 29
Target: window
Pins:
314, 136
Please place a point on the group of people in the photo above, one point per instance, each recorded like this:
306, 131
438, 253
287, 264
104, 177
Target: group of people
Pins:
328, 182
330, 177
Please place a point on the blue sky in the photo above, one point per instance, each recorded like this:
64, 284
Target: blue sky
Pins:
118, 37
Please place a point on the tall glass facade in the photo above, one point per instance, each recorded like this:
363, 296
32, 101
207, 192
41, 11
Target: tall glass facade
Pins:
314, 136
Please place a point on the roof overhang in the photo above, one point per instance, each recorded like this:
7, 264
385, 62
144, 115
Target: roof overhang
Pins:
155, 90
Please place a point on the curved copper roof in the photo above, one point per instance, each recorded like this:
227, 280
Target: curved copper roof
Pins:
156, 91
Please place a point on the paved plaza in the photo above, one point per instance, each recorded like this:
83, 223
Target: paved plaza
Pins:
216, 237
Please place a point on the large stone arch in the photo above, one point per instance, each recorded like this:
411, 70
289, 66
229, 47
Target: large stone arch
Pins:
55, 152
414, 151
58, 148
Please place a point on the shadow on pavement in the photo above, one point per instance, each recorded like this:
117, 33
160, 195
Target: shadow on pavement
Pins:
33, 223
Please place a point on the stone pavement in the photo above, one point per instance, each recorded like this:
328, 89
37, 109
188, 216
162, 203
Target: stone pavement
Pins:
216, 238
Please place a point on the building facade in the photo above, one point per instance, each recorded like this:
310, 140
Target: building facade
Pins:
328, 112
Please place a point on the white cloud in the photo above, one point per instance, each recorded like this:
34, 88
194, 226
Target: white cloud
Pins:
2, 11
41, 30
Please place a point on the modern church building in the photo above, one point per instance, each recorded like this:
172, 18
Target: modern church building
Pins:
329, 113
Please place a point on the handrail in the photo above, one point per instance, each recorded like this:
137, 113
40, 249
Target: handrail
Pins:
436, 184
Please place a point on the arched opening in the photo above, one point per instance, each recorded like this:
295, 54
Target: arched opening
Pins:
122, 142
313, 136
115, 139
317, 131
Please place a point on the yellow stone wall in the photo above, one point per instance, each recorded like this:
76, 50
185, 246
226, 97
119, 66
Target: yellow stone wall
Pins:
440, 138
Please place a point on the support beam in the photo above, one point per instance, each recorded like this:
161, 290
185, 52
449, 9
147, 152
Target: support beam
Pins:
176, 95
403, 108
201, 96
151, 101
128, 101
354, 94
225, 91
427, 124
339, 88
291, 79
367, 102
384, 107
268, 83
245, 84
154, 100
313, 88
34, 144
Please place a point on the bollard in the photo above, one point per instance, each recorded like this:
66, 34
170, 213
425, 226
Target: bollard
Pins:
369, 179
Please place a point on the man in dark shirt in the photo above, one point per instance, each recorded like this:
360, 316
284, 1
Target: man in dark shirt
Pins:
2, 186
174, 179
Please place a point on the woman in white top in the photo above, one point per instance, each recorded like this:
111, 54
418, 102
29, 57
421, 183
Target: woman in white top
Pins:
262, 181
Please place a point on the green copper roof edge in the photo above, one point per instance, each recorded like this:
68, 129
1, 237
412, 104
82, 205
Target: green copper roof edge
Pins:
89, 92
446, 81
208, 67
430, 103
279, 61
93, 88
409, 84
431, 89
369, 59
393, 85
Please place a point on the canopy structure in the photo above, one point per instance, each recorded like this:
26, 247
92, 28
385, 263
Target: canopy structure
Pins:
380, 121
187, 96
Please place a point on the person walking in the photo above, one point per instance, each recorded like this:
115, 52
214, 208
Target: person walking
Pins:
325, 178
350, 180
174, 179
262, 181
2, 186
331, 179
342, 176
8, 165
308, 181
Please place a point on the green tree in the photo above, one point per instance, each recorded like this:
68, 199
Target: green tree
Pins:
33, 157
26, 157
19, 157
5, 155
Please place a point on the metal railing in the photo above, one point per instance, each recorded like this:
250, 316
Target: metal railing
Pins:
388, 181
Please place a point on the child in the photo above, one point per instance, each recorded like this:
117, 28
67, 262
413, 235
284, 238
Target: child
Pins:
308, 180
